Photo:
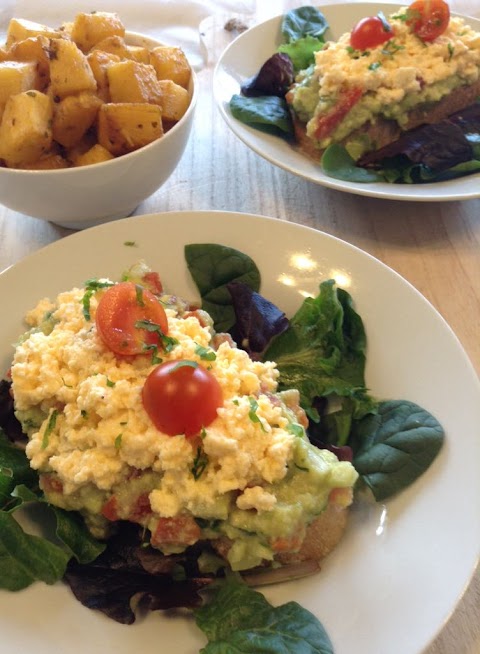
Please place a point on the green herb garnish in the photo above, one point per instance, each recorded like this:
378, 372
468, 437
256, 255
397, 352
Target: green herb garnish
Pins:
49, 428
91, 287
200, 462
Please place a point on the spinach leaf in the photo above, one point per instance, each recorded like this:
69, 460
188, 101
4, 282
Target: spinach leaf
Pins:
239, 619
337, 163
213, 267
304, 21
301, 52
322, 353
267, 112
73, 533
395, 446
25, 558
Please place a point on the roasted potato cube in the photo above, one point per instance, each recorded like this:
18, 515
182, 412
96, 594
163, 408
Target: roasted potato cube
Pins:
73, 116
171, 63
138, 53
70, 71
130, 81
15, 77
20, 29
115, 45
89, 29
48, 162
26, 128
97, 154
175, 100
34, 49
124, 127
99, 62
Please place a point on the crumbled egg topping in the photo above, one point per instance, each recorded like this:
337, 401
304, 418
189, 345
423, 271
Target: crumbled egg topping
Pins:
402, 66
102, 432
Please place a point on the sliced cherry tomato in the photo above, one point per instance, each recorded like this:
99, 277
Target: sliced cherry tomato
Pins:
181, 530
428, 18
181, 397
327, 123
370, 32
122, 309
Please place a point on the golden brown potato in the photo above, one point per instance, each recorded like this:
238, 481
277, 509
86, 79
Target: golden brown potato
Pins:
115, 45
20, 29
15, 77
99, 62
34, 49
73, 116
175, 100
70, 71
90, 28
171, 63
139, 53
130, 81
97, 154
124, 127
26, 128
48, 162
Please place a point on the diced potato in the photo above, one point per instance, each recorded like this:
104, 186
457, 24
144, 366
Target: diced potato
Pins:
175, 100
34, 49
73, 116
124, 127
99, 62
49, 162
70, 71
171, 63
84, 145
130, 81
97, 154
89, 29
15, 77
20, 29
139, 53
26, 128
115, 45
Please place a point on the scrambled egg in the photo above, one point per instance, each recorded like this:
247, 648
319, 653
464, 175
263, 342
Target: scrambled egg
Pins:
393, 77
91, 438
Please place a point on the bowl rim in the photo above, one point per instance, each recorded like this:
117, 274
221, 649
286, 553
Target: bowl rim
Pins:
193, 91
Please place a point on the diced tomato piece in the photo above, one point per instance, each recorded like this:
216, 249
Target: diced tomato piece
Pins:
153, 282
329, 121
341, 496
50, 484
181, 530
288, 543
110, 509
141, 508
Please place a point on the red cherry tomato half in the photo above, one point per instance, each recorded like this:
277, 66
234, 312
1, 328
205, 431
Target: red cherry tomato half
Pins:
428, 18
181, 397
326, 123
121, 310
370, 33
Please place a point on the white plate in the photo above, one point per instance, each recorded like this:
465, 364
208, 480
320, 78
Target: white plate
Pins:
401, 568
244, 57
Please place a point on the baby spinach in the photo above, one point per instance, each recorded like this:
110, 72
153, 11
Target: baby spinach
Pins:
303, 21
239, 619
212, 268
395, 446
267, 112
301, 52
337, 163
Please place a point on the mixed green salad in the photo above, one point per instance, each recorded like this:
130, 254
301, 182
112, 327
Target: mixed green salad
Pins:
430, 153
321, 351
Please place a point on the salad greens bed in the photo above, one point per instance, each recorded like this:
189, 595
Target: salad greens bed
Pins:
321, 352
430, 153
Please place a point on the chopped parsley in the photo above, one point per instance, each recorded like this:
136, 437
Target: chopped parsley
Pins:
91, 287
118, 441
184, 363
200, 462
296, 429
139, 295
385, 24
151, 347
167, 341
205, 353
52, 421
110, 383
252, 414
375, 65
451, 50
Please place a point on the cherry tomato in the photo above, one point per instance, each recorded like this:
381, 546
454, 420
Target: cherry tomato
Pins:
181, 397
181, 530
428, 18
370, 32
327, 123
121, 310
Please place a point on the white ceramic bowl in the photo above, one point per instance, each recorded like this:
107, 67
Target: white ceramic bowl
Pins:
84, 196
